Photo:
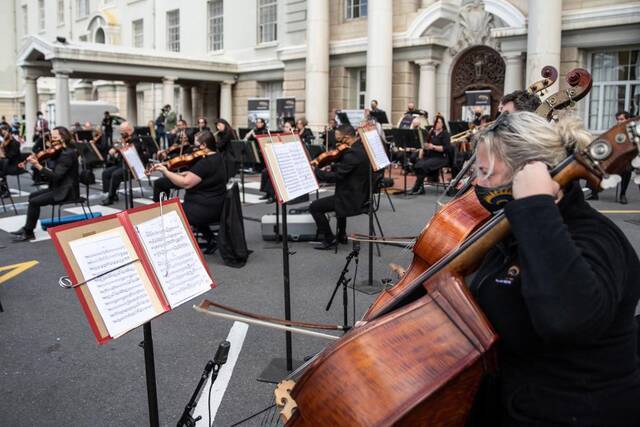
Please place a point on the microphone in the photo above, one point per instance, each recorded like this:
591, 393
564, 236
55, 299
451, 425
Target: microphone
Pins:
222, 353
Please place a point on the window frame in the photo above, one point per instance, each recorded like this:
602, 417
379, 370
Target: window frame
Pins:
25, 18
170, 43
60, 15
211, 24
599, 88
261, 25
134, 34
86, 9
42, 19
350, 8
360, 91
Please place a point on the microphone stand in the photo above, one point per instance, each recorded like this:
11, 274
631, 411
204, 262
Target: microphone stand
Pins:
344, 281
212, 367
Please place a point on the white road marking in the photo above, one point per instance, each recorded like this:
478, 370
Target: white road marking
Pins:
236, 337
13, 223
104, 210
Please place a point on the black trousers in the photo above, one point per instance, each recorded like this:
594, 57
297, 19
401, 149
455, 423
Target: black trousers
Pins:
201, 216
111, 179
162, 185
428, 168
265, 184
6, 168
37, 199
624, 184
317, 209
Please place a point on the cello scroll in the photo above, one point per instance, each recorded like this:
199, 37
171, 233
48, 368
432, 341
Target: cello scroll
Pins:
580, 82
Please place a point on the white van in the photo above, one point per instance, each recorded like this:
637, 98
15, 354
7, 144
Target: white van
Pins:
92, 111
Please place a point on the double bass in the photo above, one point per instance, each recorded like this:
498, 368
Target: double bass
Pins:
419, 354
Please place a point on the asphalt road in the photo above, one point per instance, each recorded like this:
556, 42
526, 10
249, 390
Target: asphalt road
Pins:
53, 373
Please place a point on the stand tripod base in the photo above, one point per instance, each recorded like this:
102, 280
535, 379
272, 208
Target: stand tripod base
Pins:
633, 221
375, 287
276, 370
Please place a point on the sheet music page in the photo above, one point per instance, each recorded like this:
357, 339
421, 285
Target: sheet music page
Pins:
295, 169
176, 262
376, 149
133, 160
120, 296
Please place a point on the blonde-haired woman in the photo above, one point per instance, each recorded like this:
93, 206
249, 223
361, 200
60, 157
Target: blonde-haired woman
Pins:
561, 291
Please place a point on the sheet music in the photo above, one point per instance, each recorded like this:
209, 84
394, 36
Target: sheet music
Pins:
120, 296
174, 259
376, 150
133, 160
295, 169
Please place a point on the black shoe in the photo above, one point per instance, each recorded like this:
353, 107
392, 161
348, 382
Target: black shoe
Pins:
265, 197
17, 232
270, 200
108, 201
594, 196
623, 199
24, 237
326, 245
342, 239
115, 198
417, 191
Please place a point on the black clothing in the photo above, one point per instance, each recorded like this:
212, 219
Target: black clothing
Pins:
561, 294
9, 164
265, 184
626, 179
318, 208
162, 185
112, 177
223, 146
231, 238
432, 161
351, 176
203, 203
63, 185
307, 136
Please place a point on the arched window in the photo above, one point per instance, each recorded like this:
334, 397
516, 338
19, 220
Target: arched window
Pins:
99, 37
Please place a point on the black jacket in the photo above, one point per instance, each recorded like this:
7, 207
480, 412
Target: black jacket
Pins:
63, 178
12, 151
351, 176
564, 314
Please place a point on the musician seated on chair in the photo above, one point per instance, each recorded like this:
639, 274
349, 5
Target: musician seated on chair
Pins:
206, 186
62, 176
560, 291
181, 146
350, 173
10, 156
434, 155
113, 173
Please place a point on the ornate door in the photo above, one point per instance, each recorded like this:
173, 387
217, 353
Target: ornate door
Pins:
478, 68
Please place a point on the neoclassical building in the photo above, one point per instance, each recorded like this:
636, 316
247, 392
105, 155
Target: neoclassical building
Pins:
209, 57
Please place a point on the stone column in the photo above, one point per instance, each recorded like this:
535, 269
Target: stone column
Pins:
132, 103
427, 88
168, 92
225, 100
63, 103
30, 106
185, 107
196, 103
513, 72
543, 38
317, 66
380, 53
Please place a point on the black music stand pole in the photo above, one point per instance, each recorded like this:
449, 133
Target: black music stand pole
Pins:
279, 368
242, 172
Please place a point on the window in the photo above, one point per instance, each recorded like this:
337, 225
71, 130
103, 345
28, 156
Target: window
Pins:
173, 31
25, 19
355, 9
82, 8
362, 88
216, 25
267, 21
40, 15
60, 12
616, 86
137, 33
272, 91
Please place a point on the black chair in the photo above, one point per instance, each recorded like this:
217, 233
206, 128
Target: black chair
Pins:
72, 201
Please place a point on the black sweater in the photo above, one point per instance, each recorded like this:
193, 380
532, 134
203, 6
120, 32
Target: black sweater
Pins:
565, 314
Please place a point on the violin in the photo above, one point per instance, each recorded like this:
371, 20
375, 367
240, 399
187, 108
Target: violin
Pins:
329, 157
48, 153
184, 142
185, 160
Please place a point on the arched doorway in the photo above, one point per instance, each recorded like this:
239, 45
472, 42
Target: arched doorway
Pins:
478, 68
99, 37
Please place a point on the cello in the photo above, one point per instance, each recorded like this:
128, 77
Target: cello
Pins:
420, 354
419, 358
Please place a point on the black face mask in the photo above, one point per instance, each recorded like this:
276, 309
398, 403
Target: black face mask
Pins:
494, 199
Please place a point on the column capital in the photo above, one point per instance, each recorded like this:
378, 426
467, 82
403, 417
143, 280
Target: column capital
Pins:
427, 63
228, 82
512, 56
61, 72
130, 83
169, 79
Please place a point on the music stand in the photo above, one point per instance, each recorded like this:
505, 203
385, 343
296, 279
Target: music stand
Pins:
343, 117
237, 148
406, 139
380, 116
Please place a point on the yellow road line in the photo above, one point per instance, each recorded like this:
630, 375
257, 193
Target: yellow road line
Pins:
15, 269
